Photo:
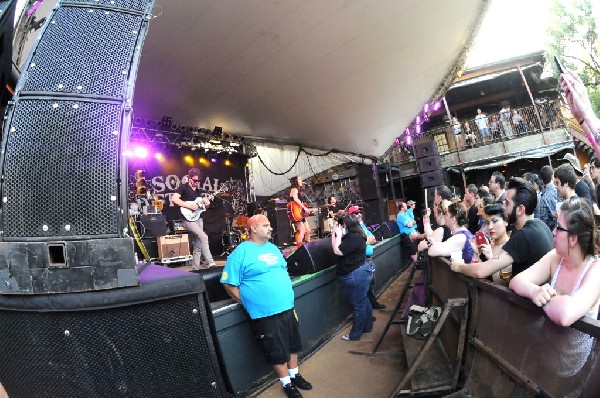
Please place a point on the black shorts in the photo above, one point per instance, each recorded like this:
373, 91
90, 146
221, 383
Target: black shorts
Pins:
278, 335
408, 245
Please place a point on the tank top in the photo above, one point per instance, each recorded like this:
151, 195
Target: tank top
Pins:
467, 250
593, 312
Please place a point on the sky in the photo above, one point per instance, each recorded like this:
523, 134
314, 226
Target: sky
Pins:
511, 28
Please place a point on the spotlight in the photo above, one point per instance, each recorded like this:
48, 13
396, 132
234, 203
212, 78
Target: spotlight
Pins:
214, 160
182, 127
149, 123
137, 121
166, 121
174, 126
218, 131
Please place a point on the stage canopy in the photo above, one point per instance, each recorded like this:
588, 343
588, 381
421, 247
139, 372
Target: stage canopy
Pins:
348, 75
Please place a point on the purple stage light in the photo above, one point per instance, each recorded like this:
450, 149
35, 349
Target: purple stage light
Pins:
418, 120
140, 152
214, 160
426, 107
437, 105
418, 129
408, 139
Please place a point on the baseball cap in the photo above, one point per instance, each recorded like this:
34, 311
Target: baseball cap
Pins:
354, 209
410, 202
256, 219
572, 159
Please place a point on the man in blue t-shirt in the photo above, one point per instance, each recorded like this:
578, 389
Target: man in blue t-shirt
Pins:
369, 253
255, 275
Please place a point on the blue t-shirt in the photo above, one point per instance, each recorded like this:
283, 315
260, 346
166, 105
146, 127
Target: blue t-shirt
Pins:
402, 219
369, 249
260, 272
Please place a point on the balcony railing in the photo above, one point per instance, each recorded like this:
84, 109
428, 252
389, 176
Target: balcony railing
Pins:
501, 126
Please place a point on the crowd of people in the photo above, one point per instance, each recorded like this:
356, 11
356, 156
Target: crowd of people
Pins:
536, 233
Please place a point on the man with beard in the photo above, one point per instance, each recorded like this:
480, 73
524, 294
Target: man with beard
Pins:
255, 276
531, 238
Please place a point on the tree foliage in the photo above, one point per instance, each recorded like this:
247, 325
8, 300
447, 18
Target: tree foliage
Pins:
574, 39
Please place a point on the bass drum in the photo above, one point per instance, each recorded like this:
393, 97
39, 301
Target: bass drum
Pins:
231, 239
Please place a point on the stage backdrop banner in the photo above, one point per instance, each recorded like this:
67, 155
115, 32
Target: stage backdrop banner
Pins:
164, 169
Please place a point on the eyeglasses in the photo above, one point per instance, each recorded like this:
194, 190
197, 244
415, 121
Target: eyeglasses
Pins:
559, 228
197, 180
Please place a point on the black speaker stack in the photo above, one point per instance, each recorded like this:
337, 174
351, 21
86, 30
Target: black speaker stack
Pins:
67, 127
280, 222
429, 164
368, 191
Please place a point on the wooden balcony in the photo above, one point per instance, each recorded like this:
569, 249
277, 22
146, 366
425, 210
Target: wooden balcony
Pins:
521, 136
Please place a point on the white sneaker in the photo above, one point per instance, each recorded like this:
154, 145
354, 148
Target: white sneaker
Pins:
211, 264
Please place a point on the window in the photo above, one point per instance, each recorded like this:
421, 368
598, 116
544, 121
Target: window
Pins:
442, 143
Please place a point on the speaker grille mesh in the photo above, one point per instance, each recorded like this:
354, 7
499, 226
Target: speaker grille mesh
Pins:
158, 349
61, 167
136, 5
84, 51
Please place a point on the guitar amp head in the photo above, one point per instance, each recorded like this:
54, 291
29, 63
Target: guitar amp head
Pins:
150, 209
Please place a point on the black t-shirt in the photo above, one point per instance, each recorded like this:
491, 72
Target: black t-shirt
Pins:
187, 193
333, 209
527, 245
353, 247
583, 191
473, 225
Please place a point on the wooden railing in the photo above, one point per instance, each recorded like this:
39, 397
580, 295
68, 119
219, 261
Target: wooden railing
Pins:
502, 126
513, 348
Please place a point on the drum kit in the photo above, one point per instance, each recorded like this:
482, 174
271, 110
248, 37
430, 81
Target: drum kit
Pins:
235, 232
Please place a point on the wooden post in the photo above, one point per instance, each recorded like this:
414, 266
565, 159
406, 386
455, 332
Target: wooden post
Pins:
537, 113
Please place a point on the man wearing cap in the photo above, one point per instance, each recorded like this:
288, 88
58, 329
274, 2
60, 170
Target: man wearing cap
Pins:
581, 188
407, 227
356, 210
255, 276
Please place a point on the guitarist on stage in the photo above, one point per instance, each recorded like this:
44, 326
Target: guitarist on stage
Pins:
187, 193
298, 200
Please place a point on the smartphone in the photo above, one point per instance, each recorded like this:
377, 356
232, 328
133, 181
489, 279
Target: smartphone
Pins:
480, 238
559, 65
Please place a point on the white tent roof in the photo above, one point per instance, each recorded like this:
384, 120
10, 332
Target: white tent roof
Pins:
340, 74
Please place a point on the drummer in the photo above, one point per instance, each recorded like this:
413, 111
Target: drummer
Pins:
333, 209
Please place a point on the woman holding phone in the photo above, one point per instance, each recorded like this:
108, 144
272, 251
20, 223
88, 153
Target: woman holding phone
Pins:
354, 272
495, 223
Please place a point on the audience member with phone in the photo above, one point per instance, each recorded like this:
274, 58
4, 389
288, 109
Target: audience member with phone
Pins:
496, 224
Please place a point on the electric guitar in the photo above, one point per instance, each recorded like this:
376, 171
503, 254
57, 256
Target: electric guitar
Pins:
296, 213
193, 215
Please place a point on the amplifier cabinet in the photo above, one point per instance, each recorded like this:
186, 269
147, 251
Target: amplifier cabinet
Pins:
173, 246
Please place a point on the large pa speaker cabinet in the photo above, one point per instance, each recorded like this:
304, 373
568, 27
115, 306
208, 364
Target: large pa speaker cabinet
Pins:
430, 163
371, 212
64, 176
156, 340
432, 179
280, 222
155, 225
366, 182
425, 149
311, 257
